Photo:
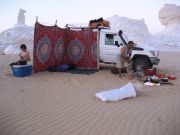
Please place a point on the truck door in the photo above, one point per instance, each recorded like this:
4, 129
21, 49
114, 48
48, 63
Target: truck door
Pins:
112, 47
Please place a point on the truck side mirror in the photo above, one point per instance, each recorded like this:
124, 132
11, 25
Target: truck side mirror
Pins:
117, 43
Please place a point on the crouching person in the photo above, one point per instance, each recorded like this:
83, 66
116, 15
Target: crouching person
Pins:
123, 59
24, 56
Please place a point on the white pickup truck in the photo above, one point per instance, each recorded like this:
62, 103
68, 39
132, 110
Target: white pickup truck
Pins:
110, 43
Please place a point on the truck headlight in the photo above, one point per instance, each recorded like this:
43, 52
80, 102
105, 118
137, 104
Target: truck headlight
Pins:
153, 53
157, 53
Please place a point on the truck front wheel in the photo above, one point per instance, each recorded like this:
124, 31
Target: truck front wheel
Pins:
140, 62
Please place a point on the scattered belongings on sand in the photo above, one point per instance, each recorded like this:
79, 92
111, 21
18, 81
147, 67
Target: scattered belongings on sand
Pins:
153, 78
156, 81
150, 77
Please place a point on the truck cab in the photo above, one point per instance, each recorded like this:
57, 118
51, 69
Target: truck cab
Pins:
111, 42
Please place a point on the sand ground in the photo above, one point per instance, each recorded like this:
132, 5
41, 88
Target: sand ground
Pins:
64, 103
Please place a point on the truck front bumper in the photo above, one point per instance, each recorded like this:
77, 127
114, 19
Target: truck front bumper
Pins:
155, 60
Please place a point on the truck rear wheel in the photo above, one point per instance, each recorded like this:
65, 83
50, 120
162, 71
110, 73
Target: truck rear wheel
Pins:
142, 61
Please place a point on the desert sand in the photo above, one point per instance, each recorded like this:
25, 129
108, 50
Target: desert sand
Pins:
64, 103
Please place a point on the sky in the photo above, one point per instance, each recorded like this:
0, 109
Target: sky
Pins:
81, 11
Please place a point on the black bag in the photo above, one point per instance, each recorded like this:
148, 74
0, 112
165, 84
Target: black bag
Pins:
52, 69
115, 70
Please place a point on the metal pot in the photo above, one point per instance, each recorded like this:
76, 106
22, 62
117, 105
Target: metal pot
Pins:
154, 79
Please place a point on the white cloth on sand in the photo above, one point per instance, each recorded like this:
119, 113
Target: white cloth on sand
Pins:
151, 84
126, 91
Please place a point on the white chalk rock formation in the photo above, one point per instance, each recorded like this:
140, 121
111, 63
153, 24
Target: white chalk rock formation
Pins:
135, 30
169, 16
21, 17
12, 38
169, 38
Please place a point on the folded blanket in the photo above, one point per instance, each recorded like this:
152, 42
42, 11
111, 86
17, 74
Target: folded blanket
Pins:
126, 91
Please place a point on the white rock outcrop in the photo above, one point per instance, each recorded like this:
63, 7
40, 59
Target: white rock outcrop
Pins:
169, 38
169, 16
135, 30
21, 17
12, 38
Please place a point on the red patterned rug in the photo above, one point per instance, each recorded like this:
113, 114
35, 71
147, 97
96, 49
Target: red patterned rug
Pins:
54, 46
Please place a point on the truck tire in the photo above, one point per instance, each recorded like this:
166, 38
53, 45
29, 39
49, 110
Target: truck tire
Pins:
141, 61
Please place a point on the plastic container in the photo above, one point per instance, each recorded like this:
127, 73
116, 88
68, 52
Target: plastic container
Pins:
22, 70
170, 77
160, 75
149, 72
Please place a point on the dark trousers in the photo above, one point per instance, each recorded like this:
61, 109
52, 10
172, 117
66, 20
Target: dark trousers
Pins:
18, 63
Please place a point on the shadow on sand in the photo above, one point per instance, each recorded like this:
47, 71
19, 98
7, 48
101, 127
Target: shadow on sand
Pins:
83, 71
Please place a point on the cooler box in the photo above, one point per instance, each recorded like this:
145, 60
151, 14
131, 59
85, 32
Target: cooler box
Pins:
22, 70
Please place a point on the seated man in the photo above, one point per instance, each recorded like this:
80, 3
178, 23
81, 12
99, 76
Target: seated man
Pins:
24, 56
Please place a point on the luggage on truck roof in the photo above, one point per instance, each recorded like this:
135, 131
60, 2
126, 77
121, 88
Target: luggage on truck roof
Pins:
95, 24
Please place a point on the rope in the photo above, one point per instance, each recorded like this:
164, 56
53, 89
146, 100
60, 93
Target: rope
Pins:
49, 24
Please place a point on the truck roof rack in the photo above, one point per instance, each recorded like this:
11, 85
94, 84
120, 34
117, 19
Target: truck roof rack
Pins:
102, 27
80, 27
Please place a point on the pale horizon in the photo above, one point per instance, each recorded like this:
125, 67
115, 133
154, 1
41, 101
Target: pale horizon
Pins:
81, 11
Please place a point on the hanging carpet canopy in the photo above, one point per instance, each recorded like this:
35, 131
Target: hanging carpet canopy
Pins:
54, 46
